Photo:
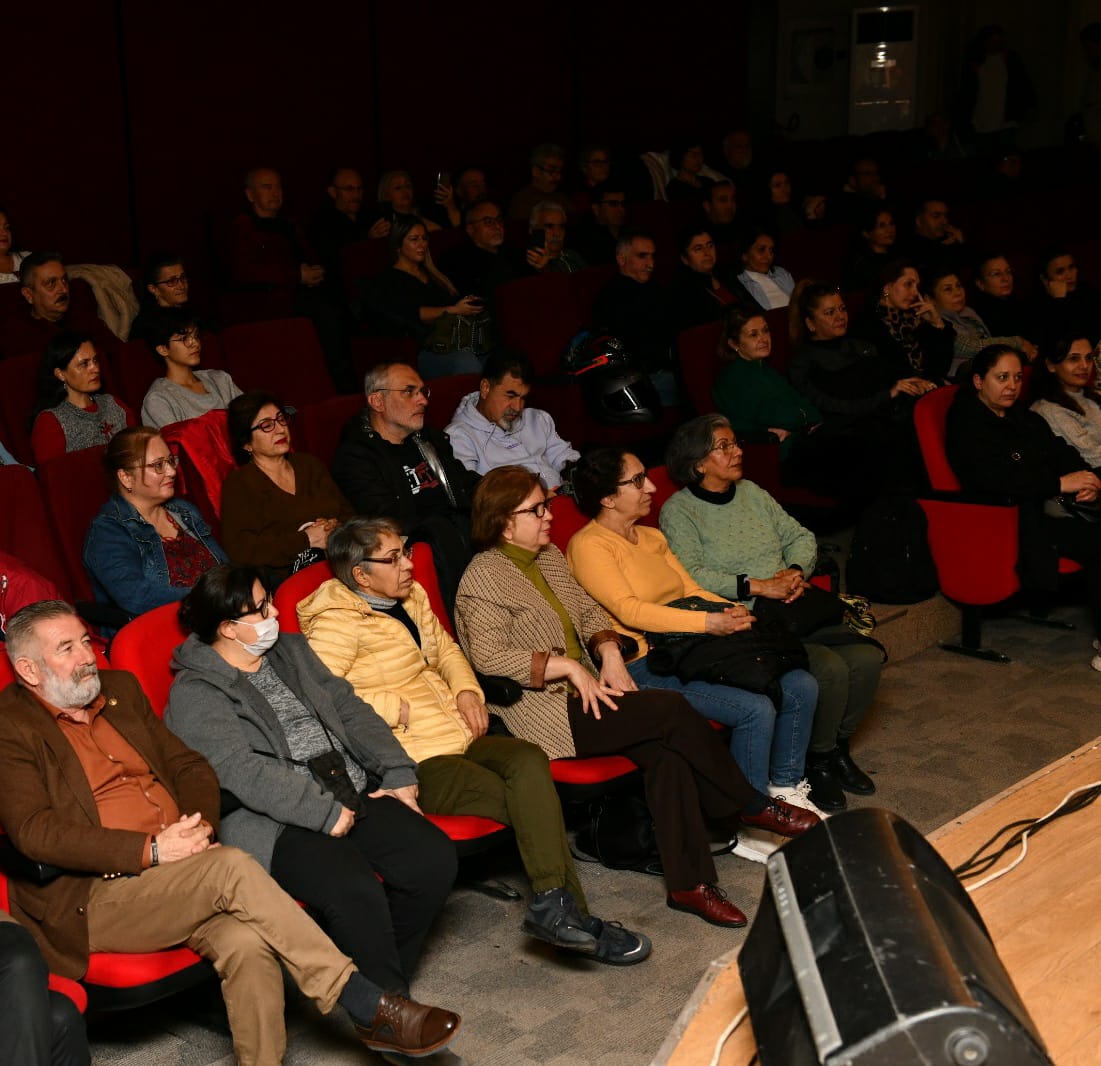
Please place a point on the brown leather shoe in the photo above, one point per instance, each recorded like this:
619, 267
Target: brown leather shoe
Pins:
708, 902
412, 1028
783, 818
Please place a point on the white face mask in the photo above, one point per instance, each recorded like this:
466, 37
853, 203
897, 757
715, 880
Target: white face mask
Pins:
267, 633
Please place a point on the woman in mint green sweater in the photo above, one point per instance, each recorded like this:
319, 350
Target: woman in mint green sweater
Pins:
754, 397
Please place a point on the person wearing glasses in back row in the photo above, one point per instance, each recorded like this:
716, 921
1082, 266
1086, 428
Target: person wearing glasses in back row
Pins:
278, 506
548, 165
390, 465
166, 287
146, 548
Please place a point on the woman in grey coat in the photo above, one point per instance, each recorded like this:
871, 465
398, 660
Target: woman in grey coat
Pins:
262, 708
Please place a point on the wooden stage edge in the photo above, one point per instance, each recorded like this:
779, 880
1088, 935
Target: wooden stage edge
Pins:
1044, 918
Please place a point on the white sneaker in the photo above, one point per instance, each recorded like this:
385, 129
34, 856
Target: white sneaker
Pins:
798, 796
756, 845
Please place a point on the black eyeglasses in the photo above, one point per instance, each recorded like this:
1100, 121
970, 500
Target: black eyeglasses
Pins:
174, 282
538, 509
266, 425
394, 557
263, 609
614, 203
638, 480
410, 391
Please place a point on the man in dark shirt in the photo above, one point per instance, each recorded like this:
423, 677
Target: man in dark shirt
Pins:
720, 205
596, 237
935, 242
342, 221
390, 465
548, 162
478, 267
94, 783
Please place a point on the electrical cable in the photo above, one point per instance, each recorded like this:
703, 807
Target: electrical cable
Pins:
724, 1036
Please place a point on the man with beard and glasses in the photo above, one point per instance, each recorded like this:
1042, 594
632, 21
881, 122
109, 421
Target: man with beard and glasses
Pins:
94, 783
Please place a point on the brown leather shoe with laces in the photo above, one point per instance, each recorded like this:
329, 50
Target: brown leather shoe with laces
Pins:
708, 902
783, 818
412, 1028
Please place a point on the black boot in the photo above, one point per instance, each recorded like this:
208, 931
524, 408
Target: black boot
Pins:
851, 777
825, 788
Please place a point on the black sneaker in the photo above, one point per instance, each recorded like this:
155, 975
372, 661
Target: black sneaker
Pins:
553, 916
615, 945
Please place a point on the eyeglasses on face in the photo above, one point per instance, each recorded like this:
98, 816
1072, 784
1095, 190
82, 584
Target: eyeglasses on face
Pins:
409, 391
394, 557
639, 480
489, 220
174, 282
262, 609
159, 466
189, 337
724, 445
538, 509
266, 425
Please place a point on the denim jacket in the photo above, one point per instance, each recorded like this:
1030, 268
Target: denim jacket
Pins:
124, 556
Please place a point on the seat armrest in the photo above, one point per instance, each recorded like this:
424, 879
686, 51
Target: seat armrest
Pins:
502, 691
19, 868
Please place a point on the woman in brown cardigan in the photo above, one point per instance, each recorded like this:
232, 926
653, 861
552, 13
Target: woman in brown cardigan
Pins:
520, 613
278, 505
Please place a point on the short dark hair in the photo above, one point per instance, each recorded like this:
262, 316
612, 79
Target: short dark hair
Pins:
690, 445
222, 594
481, 202
596, 476
166, 323
33, 262
242, 412
938, 273
735, 319
722, 183
869, 213
893, 269
353, 542
400, 228
602, 188
156, 262
686, 234
678, 149
498, 494
503, 362
59, 353
805, 300
1052, 251
988, 356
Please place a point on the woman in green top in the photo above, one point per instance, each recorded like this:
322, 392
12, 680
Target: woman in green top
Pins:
754, 397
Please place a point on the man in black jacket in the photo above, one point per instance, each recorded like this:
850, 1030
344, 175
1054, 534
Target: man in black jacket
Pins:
389, 465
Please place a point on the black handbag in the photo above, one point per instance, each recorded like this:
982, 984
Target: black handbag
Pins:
815, 609
619, 834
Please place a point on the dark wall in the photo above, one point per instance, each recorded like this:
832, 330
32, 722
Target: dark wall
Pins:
132, 123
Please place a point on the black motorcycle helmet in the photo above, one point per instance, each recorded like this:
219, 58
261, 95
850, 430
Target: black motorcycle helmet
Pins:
615, 392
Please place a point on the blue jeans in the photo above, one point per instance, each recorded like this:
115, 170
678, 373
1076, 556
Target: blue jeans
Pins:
766, 745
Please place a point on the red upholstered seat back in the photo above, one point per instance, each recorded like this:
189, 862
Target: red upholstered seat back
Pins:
25, 529
446, 394
319, 425
295, 589
145, 646
538, 316
567, 521
930, 415
697, 352
424, 572
664, 487
18, 397
283, 357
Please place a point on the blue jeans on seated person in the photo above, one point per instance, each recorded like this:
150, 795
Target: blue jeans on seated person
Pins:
443, 364
767, 745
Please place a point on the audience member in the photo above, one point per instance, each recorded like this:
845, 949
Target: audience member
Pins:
756, 399
373, 626
145, 547
44, 285
597, 236
483, 262
548, 163
166, 286
971, 332
740, 166
1001, 449
342, 220
413, 299
629, 569
776, 209
1063, 307
155, 824
905, 327
185, 391
1090, 40
864, 262
738, 542
72, 412
941, 141
547, 251
995, 91
38, 1026
636, 309
520, 613
934, 242
720, 205
278, 506
1005, 315
469, 186
396, 197
701, 290
494, 426
9, 260
768, 285
1062, 394
687, 184
863, 192
269, 715
390, 465
594, 162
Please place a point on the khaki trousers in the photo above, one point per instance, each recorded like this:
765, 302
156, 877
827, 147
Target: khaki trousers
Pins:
225, 907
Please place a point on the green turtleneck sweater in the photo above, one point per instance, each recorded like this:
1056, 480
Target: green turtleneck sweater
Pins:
525, 562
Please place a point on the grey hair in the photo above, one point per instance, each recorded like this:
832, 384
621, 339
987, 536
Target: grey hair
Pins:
376, 377
544, 205
350, 544
690, 446
546, 151
21, 627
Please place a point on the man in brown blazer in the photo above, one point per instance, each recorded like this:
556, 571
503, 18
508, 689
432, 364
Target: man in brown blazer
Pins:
94, 783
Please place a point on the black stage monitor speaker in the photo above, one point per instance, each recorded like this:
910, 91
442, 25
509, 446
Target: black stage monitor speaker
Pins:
866, 951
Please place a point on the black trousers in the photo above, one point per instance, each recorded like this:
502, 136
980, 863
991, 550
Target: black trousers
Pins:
37, 1027
1080, 541
688, 774
380, 924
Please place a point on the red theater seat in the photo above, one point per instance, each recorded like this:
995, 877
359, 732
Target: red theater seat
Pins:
18, 398
282, 357
25, 528
320, 424
206, 458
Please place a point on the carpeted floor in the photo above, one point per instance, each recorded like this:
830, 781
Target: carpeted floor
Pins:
945, 734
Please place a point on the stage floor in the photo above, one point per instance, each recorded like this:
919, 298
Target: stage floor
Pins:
1044, 917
